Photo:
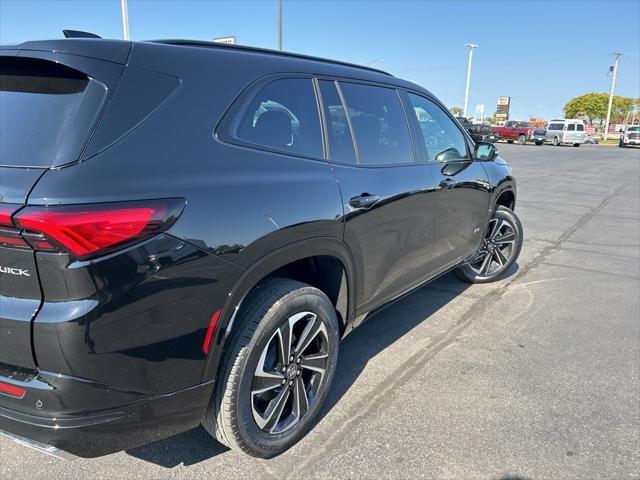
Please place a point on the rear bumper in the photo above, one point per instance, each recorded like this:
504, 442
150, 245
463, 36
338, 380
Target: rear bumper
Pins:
110, 420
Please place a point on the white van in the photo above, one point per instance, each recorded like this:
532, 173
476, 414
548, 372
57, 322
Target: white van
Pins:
566, 131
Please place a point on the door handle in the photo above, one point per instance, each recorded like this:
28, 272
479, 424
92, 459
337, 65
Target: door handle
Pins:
366, 200
447, 183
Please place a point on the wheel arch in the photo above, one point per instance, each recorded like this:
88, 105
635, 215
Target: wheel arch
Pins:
286, 262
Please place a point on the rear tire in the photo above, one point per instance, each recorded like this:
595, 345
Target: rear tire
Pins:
499, 250
264, 402
556, 141
522, 139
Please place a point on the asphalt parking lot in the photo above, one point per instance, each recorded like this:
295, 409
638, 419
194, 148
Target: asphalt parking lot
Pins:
536, 376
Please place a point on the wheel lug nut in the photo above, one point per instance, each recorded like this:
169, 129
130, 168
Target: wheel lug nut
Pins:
298, 373
291, 358
284, 381
291, 383
284, 369
299, 360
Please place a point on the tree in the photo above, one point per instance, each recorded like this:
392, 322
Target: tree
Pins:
456, 111
594, 106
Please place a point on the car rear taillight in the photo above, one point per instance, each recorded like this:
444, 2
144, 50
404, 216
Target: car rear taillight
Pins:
10, 236
94, 229
12, 390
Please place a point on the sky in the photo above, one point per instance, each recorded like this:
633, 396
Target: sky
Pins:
540, 53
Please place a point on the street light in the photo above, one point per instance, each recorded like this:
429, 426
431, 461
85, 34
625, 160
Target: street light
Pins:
471, 46
125, 19
614, 69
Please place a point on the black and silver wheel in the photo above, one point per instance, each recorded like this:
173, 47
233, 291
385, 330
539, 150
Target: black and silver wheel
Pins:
522, 139
278, 369
499, 250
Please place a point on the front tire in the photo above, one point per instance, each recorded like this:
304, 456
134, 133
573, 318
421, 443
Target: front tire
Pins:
522, 139
277, 369
556, 141
499, 250
509, 141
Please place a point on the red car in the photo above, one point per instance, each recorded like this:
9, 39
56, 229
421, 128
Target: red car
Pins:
515, 131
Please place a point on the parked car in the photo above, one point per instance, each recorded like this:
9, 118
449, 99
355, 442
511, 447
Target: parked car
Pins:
515, 131
630, 136
566, 132
189, 228
539, 135
590, 140
479, 132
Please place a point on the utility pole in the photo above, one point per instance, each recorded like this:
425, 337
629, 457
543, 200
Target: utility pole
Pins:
471, 46
279, 24
614, 69
125, 19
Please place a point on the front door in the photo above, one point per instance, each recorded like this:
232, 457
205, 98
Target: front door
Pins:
463, 185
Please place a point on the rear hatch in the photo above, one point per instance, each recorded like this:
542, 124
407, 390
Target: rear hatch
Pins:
52, 95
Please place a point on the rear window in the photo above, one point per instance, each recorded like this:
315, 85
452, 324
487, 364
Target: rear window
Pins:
47, 111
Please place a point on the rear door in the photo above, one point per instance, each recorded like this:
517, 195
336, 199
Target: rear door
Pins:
49, 105
389, 198
462, 184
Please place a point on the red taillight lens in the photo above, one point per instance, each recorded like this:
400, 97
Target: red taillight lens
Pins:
12, 390
88, 230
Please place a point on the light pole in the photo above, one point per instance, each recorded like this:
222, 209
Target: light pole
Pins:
279, 24
613, 86
125, 19
471, 46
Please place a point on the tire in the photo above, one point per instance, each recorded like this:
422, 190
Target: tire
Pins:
509, 141
576, 144
522, 139
556, 141
539, 143
480, 269
238, 404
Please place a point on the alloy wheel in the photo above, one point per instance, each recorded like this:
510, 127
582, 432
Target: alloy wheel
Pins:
497, 248
290, 373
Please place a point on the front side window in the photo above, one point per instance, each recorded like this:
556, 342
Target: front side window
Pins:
379, 124
282, 115
555, 126
443, 140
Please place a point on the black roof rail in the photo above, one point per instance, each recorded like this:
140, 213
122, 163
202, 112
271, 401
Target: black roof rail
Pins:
79, 34
201, 43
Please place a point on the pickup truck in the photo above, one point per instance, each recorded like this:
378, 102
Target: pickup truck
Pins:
479, 132
515, 131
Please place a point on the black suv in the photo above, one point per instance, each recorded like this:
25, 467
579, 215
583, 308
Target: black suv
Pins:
187, 230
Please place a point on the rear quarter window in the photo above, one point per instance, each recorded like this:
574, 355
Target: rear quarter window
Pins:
281, 115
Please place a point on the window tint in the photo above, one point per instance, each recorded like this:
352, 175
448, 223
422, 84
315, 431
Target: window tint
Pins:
443, 140
340, 141
580, 127
556, 126
571, 127
282, 115
379, 124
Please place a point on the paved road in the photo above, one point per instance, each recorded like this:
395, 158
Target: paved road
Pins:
536, 376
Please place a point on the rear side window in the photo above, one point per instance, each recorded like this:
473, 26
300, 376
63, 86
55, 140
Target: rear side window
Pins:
379, 124
47, 110
338, 132
580, 127
571, 127
556, 126
443, 140
283, 116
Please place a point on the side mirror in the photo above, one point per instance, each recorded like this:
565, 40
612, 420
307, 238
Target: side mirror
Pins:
485, 152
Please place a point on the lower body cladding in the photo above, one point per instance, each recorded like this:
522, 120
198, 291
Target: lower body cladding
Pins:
119, 345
